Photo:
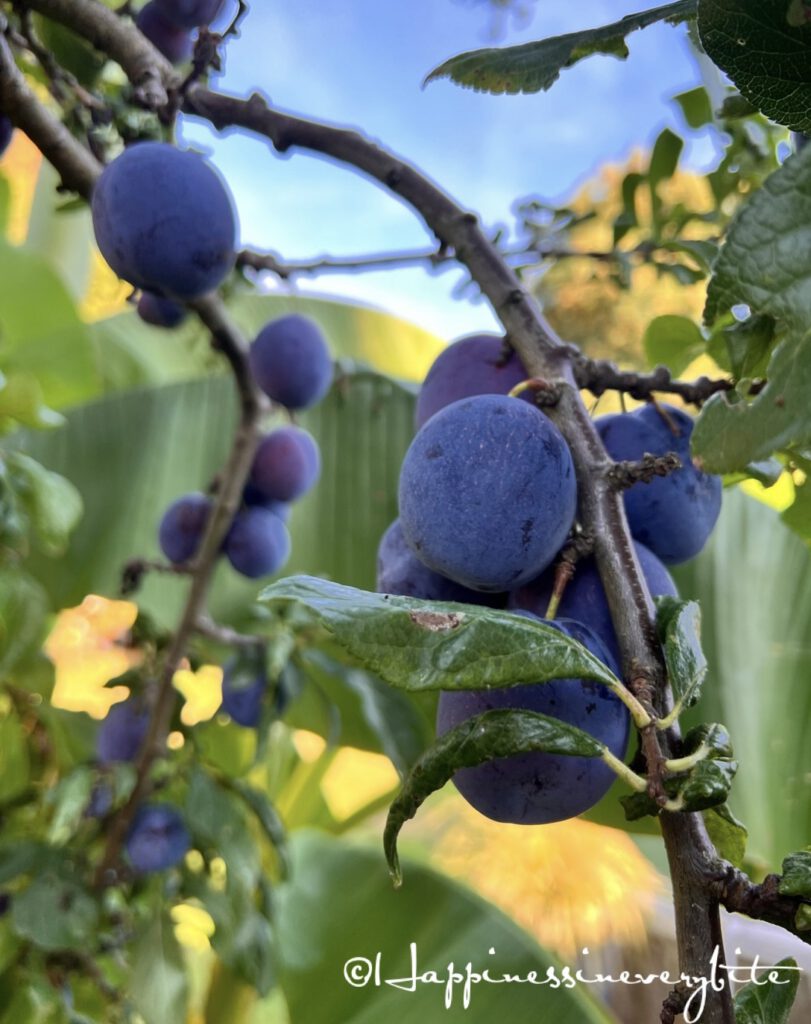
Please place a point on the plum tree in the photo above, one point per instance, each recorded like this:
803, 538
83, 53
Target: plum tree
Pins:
158, 838
164, 220
174, 42
487, 492
291, 362
584, 598
286, 465
6, 133
480, 364
399, 571
672, 515
121, 735
536, 788
183, 526
258, 543
243, 693
160, 312
189, 13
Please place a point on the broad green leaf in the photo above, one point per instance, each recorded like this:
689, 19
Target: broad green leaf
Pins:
41, 330
422, 645
796, 880
533, 67
769, 1000
216, 819
749, 345
158, 982
15, 760
53, 503
447, 923
21, 403
23, 613
765, 48
674, 341
115, 452
54, 913
36, 1002
497, 733
69, 798
798, 515
766, 257
728, 835
664, 158
679, 626
26, 857
696, 106
60, 232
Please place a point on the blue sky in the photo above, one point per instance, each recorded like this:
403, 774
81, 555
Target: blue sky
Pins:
361, 62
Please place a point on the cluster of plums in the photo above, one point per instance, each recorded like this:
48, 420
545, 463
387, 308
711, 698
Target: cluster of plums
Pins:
487, 500
168, 24
164, 221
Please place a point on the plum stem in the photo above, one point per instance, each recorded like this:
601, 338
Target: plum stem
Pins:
638, 783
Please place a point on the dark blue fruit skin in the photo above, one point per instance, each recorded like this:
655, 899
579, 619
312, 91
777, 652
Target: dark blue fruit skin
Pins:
158, 838
164, 221
400, 572
258, 543
672, 515
101, 801
173, 42
189, 13
243, 703
182, 527
286, 465
6, 133
291, 362
159, 312
121, 735
536, 789
473, 365
584, 598
252, 497
487, 493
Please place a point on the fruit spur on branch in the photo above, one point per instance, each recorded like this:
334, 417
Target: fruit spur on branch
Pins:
488, 509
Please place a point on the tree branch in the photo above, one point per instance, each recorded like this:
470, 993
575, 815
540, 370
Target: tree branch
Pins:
691, 855
151, 74
765, 902
600, 375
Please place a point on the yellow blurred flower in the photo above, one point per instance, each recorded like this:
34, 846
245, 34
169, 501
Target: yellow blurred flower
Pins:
202, 691
86, 648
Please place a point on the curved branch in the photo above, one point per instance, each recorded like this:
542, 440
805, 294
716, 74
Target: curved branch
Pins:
600, 375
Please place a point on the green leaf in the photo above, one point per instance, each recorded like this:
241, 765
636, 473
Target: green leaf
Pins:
447, 922
70, 798
728, 835
765, 48
268, 817
796, 880
696, 107
158, 983
15, 760
23, 615
536, 66
749, 345
55, 913
421, 645
217, 822
26, 857
769, 1000
664, 158
41, 330
674, 341
798, 515
36, 1003
497, 733
765, 260
679, 627
52, 502
21, 402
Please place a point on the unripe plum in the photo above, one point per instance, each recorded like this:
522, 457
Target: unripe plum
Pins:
158, 839
242, 695
291, 362
6, 133
164, 220
173, 42
182, 527
189, 13
286, 465
400, 572
487, 492
584, 598
258, 543
480, 364
672, 515
160, 312
122, 733
538, 788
